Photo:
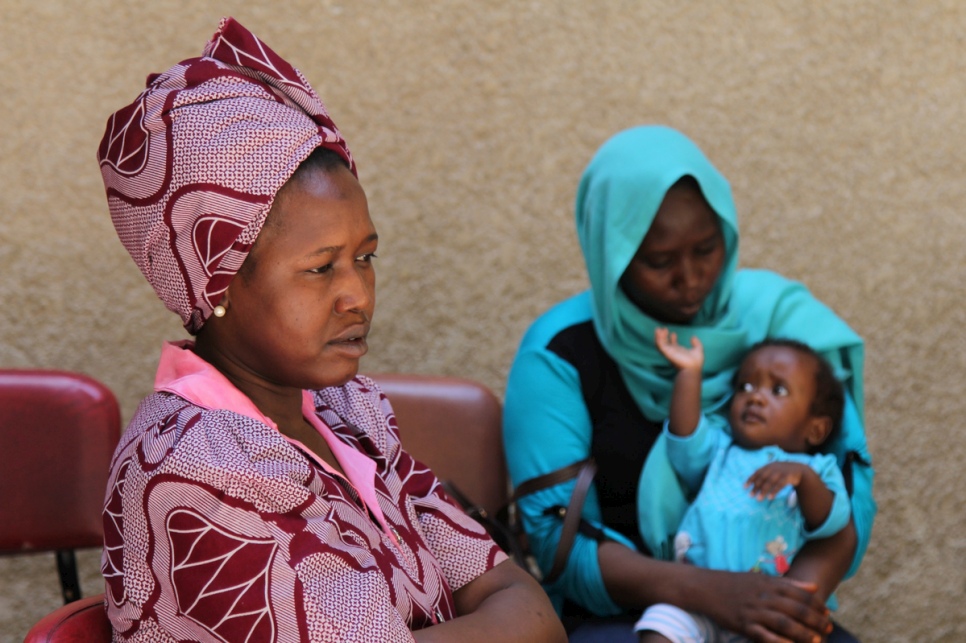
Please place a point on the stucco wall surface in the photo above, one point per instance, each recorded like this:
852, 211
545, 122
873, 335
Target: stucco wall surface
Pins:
840, 125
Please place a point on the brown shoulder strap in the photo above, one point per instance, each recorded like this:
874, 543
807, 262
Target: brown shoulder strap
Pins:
571, 520
547, 480
584, 471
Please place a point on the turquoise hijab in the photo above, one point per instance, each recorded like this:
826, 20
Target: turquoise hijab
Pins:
617, 199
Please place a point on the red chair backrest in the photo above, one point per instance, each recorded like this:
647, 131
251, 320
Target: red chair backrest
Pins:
453, 425
58, 431
83, 621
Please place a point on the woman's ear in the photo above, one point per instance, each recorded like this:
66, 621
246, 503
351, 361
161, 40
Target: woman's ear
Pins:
818, 430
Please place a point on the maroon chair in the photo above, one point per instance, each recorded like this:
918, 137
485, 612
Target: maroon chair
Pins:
83, 621
58, 431
453, 425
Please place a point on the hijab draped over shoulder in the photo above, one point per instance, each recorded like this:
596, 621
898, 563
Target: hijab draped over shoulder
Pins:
617, 200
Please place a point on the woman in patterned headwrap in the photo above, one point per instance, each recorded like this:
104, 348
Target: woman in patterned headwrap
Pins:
261, 493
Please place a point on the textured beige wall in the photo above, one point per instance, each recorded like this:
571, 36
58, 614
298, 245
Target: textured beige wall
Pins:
840, 125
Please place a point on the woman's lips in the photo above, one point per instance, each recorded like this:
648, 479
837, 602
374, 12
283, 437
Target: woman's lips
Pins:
690, 310
352, 342
354, 347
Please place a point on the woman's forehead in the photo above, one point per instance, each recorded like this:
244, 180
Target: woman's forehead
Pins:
318, 209
683, 217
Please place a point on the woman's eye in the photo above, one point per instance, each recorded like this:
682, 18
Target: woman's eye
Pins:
656, 263
707, 249
367, 258
780, 390
322, 269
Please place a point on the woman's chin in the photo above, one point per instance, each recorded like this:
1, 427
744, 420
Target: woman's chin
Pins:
335, 377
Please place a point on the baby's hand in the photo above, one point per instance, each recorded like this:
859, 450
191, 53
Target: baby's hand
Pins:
772, 478
681, 357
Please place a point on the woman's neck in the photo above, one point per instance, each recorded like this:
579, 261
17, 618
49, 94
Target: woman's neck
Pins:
281, 404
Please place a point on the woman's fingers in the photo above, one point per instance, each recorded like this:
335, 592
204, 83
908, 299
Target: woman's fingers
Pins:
796, 613
770, 609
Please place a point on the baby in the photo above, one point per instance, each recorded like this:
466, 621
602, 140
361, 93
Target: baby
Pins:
763, 490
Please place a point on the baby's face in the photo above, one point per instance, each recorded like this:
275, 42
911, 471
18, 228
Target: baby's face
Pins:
774, 390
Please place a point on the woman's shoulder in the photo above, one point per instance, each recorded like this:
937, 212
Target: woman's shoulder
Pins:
171, 434
570, 312
160, 412
787, 308
749, 280
172, 440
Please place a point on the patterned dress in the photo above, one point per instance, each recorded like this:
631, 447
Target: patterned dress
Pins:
219, 528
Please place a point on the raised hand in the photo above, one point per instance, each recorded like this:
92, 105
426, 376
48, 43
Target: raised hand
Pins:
681, 357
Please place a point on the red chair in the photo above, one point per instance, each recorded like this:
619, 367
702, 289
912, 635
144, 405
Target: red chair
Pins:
83, 621
58, 431
453, 425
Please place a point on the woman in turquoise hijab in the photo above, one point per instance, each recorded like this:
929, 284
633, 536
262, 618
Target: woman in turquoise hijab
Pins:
659, 233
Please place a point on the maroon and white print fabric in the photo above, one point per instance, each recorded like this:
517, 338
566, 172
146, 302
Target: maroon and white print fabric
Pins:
192, 166
219, 529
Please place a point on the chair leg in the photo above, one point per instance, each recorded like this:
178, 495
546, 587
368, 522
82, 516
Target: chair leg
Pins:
67, 570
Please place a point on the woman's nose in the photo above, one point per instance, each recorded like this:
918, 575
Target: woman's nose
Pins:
355, 293
689, 275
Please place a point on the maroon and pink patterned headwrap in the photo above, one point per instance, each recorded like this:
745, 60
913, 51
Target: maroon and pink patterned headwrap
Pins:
193, 165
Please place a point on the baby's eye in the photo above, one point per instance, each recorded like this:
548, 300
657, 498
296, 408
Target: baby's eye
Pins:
780, 390
745, 387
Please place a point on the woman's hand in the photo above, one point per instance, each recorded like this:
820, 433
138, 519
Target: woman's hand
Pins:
767, 609
503, 604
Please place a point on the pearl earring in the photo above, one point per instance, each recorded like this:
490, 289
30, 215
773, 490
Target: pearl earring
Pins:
219, 311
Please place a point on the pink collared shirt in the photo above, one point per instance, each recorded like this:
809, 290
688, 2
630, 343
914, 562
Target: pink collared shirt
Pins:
186, 375
219, 528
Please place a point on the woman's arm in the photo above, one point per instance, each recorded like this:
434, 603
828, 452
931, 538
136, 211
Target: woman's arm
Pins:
827, 561
824, 562
503, 604
761, 607
546, 426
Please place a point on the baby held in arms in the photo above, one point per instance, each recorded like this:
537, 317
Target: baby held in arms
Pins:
763, 489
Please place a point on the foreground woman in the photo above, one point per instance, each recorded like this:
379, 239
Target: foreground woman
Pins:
261, 493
